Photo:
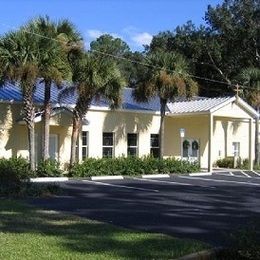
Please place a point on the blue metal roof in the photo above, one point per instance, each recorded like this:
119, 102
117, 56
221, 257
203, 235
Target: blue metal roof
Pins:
12, 93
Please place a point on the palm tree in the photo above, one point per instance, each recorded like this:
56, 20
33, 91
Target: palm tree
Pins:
18, 63
166, 78
55, 42
250, 77
94, 77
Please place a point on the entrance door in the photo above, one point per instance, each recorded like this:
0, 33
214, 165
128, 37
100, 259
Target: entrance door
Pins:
190, 150
53, 146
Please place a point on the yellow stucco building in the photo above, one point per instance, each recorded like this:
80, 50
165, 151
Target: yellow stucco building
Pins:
212, 128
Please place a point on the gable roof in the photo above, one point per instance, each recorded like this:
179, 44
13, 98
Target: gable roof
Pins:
12, 93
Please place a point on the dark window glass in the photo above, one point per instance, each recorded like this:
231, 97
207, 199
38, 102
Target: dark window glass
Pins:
84, 153
131, 139
108, 152
84, 138
131, 151
154, 140
108, 139
155, 152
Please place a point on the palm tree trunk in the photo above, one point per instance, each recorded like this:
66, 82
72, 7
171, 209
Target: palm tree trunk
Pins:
161, 130
29, 119
74, 136
257, 159
46, 120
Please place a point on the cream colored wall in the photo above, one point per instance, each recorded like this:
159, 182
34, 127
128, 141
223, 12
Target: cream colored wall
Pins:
227, 131
120, 123
196, 127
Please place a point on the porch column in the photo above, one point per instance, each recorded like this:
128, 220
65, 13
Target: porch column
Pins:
251, 146
210, 143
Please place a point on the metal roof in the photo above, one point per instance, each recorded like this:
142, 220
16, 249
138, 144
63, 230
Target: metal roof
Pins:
197, 105
12, 93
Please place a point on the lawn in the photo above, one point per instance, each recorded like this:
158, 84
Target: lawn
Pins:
30, 233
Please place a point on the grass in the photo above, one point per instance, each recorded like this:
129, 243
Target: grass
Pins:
30, 233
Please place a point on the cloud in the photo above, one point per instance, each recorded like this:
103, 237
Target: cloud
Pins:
94, 33
141, 39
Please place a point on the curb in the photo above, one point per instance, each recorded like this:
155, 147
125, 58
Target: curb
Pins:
99, 178
205, 254
49, 179
147, 176
200, 174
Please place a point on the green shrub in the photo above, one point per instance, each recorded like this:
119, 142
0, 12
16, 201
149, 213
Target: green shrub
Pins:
131, 166
48, 168
227, 162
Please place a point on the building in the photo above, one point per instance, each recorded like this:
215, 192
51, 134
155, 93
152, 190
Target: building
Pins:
202, 129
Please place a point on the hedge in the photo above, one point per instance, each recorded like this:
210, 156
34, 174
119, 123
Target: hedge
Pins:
131, 166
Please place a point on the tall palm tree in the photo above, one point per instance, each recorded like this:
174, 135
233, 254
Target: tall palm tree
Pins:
166, 78
18, 63
55, 42
250, 77
94, 77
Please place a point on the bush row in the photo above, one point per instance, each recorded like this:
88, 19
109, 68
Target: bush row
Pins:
131, 166
228, 162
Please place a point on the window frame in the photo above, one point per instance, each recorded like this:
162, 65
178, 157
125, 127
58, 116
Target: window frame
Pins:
133, 146
236, 152
108, 146
84, 146
155, 147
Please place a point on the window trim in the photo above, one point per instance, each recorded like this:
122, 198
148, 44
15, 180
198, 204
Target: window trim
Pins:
108, 146
236, 152
136, 147
84, 146
154, 147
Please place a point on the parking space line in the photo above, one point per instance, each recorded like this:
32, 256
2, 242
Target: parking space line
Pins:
168, 182
245, 174
231, 173
225, 181
119, 186
258, 174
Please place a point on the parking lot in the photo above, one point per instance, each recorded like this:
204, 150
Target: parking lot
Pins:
208, 208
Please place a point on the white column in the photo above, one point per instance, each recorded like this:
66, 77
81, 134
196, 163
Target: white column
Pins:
251, 146
210, 137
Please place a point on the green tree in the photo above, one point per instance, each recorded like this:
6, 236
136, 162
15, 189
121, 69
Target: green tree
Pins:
18, 63
250, 78
94, 77
167, 79
54, 41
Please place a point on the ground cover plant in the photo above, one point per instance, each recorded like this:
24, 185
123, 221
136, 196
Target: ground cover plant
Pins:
131, 166
31, 233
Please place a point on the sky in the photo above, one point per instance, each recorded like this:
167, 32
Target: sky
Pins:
134, 21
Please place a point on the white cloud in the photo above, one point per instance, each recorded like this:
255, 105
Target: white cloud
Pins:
94, 33
141, 39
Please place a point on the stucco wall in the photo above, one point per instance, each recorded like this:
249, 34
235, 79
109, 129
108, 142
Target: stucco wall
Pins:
120, 123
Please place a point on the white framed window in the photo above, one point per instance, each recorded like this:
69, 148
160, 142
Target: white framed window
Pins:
108, 145
190, 149
236, 148
132, 144
154, 145
84, 146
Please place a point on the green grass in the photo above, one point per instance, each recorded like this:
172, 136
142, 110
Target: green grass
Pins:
30, 233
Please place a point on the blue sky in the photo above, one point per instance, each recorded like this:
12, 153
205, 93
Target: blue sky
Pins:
135, 21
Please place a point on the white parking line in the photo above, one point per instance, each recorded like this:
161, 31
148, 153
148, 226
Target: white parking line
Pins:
119, 186
214, 180
246, 174
231, 173
168, 182
256, 173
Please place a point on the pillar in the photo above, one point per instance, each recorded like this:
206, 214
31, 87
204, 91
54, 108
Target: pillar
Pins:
210, 137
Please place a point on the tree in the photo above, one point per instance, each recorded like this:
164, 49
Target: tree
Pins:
18, 62
54, 41
167, 78
94, 77
250, 78
106, 46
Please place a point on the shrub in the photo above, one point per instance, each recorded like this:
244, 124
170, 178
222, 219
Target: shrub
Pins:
131, 166
48, 168
227, 162
13, 172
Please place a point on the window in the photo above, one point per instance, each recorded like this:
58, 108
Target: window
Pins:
236, 148
108, 145
154, 144
190, 149
132, 144
84, 136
